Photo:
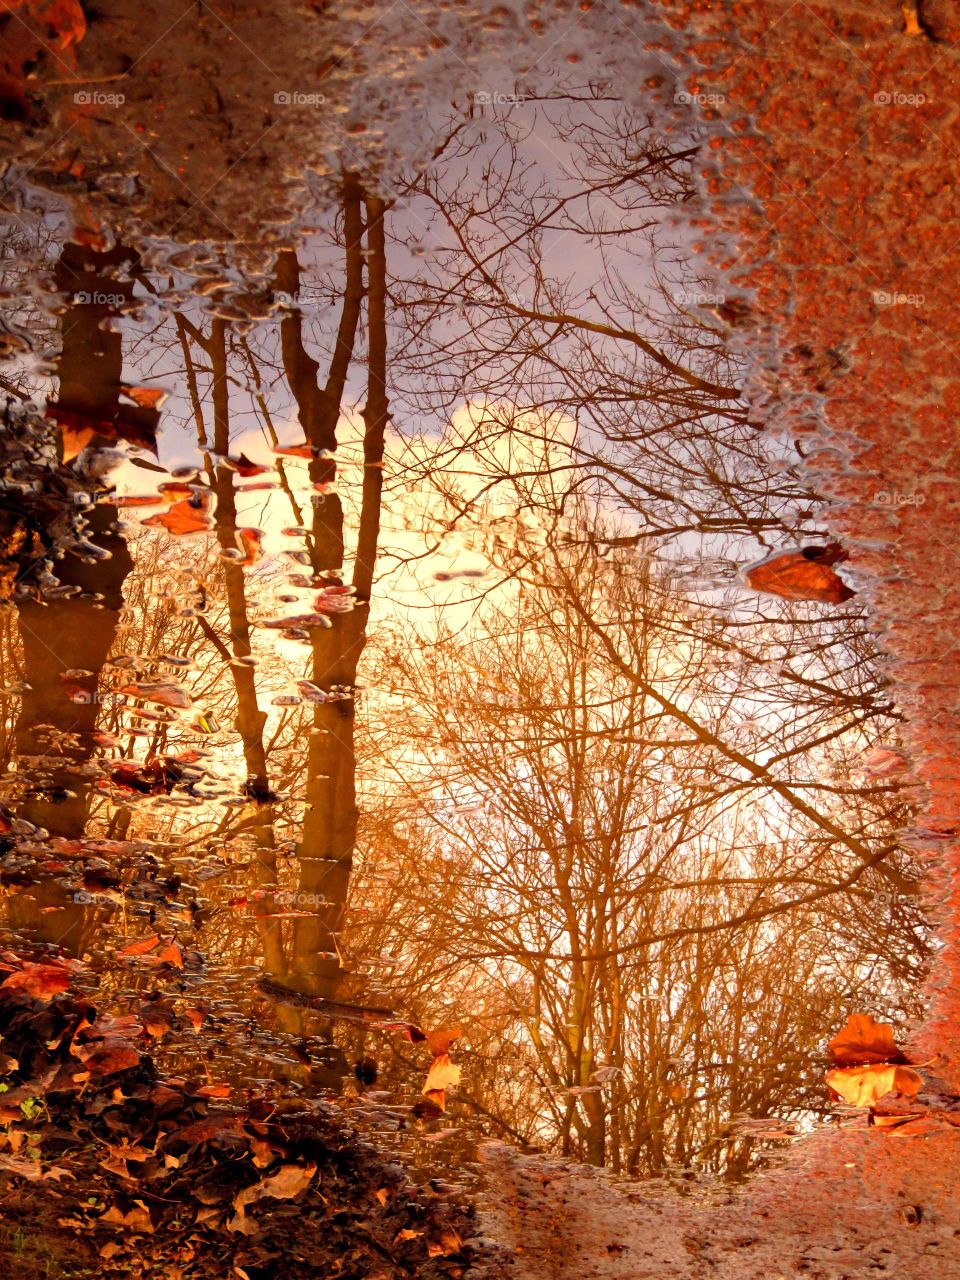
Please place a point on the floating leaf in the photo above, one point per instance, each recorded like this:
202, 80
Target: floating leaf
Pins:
863, 1086
184, 518
442, 1074
38, 981
864, 1040
801, 573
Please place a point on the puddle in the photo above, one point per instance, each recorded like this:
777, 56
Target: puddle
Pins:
378, 660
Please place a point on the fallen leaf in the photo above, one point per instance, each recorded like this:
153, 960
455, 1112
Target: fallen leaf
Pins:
244, 467
39, 981
184, 518
864, 1040
165, 693
442, 1074
449, 1242
141, 947
136, 1218
439, 1042
213, 1091
285, 1184
801, 573
294, 450
251, 540
171, 954
145, 397
106, 1058
863, 1086
32, 1170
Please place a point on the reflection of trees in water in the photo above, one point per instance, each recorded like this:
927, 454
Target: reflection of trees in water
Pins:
609, 821
65, 636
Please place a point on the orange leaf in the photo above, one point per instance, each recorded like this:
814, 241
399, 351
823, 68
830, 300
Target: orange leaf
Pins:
294, 451
863, 1086
39, 981
141, 947
449, 1242
863, 1040
439, 1042
213, 1091
145, 397
802, 573
184, 518
171, 954
251, 540
163, 692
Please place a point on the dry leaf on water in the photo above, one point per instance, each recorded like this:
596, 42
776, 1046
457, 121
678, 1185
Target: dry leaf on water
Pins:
863, 1086
442, 1074
140, 947
439, 1042
39, 981
864, 1040
184, 518
801, 573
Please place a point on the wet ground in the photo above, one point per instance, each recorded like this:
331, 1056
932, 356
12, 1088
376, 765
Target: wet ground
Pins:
478, 606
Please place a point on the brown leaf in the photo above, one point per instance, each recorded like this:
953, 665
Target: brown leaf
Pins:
184, 518
439, 1042
287, 1183
136, 1218
801, 573
39, 981
31, 1170
449, 1242
864, 1040
863, 1086
145, 397
107, 1057
141, 947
